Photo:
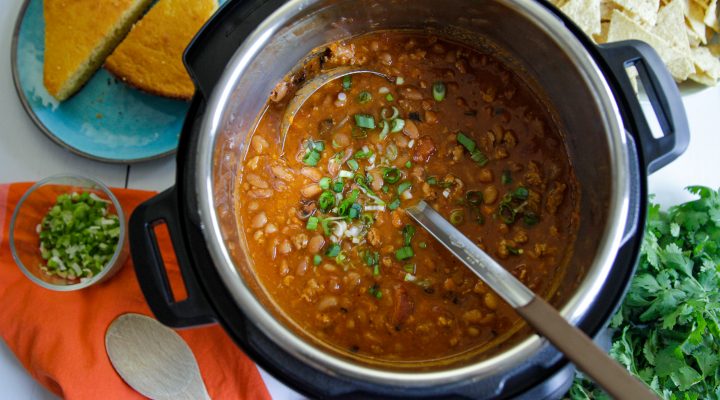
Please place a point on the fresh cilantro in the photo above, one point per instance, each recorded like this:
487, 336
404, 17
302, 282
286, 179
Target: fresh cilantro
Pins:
667, 332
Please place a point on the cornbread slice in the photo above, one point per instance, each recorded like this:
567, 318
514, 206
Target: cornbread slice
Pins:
150, 58
79, 35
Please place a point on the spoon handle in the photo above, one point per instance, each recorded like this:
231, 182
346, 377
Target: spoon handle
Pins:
571, 341
583, 352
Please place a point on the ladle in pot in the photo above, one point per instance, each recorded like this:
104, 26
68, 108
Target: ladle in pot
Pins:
313, 86
576, 346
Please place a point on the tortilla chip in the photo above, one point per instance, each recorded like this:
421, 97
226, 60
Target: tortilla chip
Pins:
624, 28
706, 63
585, 13
711, 18
644, 11
671, 27
694, 16
602, 36
606, 9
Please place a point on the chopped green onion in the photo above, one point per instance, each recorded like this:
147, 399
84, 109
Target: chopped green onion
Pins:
367, 219
370, 257
431, 180
376, 270
506, 178
466, 142
333, 250
345, 174
337, 187
404, 253
324, 183
355, 210
317, 259
385, 189
408, 233
514, 250
384, 113
391, 152
479, 157
403, 186
366, 121
363, 154
409, 268
341, 258
438, 91
408, 164
312, 223
326, 201
347, 82
389, 97
359, 133
326, 226
392, 175
521, 193
422, 245
399, 80
375, 291
457, 217
530, 218
311, 158
353, 164
397, 125
364, 97
474, 197
507, 213
385, 126
394, 204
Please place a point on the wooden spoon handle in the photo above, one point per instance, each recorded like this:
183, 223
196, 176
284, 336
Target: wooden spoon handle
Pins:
583, 352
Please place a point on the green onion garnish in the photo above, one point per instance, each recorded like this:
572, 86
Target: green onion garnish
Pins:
466, 142
367, 219
479, 157
530, 218
324, 183
317, 259
409, 268
403, 186
408, 164
326, 201
431, 180
507, 213
474, 197
457, 217
376, 270
439, 91
333, 250
392, 175
384, 113
389, 97
408, 233
375, 291
355, 210
363, 154
312, 223
391, 152
506, 178
422, 245
370, 257
311, 158
385, 126
353, 164
347, 82
394, 204
78, 236
364, 97
337, 187
397, 125
521, 193
366, 121
404, 253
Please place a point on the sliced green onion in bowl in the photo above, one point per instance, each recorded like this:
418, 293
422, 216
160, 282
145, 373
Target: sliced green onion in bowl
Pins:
364, 97
439, 90
457, 217
397, 125
366, 121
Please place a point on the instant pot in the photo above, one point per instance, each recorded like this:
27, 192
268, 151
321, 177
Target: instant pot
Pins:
249, 46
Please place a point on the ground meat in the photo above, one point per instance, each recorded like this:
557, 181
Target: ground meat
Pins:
532, 176
555, 197
424, 149
404, 305
374, 237
457, 153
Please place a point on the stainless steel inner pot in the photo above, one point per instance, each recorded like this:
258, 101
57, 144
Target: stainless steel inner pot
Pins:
554, 61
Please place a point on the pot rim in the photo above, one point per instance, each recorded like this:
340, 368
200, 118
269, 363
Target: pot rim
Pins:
242, 294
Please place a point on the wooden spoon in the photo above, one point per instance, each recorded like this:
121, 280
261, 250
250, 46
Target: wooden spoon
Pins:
574, 343
153, 359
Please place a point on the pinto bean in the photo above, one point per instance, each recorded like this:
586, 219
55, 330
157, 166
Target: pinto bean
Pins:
424, 149
260, 193
259, 144
327, 302
314, 174
259, 220
316, 244
490, 194
311, 190
279, 92
256, 181
282, 173
285, 247
411, 130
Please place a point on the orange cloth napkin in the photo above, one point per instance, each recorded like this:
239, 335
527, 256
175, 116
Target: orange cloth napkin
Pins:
60, 337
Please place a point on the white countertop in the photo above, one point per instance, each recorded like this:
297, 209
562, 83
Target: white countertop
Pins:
27, 155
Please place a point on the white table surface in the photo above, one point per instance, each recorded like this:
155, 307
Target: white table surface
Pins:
26, 154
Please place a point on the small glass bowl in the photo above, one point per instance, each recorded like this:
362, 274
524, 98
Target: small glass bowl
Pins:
32, 208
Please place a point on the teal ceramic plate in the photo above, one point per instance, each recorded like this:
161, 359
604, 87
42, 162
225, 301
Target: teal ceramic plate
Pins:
106, 120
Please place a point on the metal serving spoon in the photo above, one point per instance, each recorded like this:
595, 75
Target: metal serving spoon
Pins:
312, 86
576, 346
153, 359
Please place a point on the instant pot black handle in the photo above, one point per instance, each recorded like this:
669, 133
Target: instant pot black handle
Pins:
664, 97
150, 268
213, 47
